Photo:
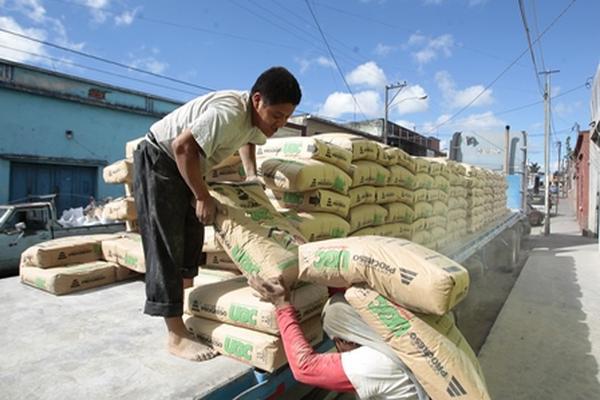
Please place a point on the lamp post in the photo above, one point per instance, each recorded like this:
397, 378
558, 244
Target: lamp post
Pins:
388, 104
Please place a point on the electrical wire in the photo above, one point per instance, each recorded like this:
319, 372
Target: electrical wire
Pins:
71, 63
106, 60
530, 46
504, 71
333, 57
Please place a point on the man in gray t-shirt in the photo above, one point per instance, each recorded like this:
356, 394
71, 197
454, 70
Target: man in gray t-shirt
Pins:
170, 166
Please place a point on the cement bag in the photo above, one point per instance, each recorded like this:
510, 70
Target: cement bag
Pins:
437, 221
421, 165
453, 203
407, 196
368, 173
68, 279
441, 183
388, 194
302, 175
361, 148
253, 201
433, 195
409, 274
362, 195
233, 301
400, 176
126, 251
120, 209
435, 169
438, 233
399, 212
368, 231
211, 244
260, 350
305, 148
440, 163
63, 251
446, 325
227, 173
420, 195
457, 214
423, 210
444, 371
119, 172
424, 181
257, 249
386, 155
419, 225
220, 260
406, 160
207, 276
313, 201
440, 208
319, 226
421, 237
366, 215
131, 146
398, 230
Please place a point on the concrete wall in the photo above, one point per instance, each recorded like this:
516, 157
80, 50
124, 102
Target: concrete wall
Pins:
53, 118
594, 187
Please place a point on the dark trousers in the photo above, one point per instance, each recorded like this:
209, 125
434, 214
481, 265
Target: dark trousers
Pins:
171, 234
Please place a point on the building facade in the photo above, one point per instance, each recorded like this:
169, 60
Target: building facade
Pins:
581, 159
59, 131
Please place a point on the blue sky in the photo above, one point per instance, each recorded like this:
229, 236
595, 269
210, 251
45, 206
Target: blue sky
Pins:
448, 50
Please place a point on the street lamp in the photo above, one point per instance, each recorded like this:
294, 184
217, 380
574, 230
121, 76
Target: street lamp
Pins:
388, 103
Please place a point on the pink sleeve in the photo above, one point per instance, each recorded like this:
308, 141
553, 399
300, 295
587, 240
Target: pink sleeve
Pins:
321, 370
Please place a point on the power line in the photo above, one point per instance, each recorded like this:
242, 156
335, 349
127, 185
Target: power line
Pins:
537, 32
504, 71
68, 62
179, 25
530, 46
105, 60
333, 57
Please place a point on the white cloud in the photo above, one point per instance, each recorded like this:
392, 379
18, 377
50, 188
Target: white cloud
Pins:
16, 42
149, 63
126, 17
339, 103
482, 123
455, 98
367, 75
33, 9
321, 61
97, 7
383, 49
427, 49
410, 100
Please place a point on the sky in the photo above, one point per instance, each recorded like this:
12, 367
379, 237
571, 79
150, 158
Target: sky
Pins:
467, 64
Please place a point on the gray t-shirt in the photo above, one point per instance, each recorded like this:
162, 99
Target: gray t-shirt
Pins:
221, 123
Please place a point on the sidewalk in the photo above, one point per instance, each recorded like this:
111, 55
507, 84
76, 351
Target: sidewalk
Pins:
545, 343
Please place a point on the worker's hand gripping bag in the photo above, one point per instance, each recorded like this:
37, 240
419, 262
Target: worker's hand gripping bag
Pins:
256, 237
445, 370
409, 274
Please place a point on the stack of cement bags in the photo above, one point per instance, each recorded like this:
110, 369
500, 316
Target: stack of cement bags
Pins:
368, 181
476, 200
71, 264
405, 292
237, 324
307, 179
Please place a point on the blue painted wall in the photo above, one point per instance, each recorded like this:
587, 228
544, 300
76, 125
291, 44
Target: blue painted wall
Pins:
38, 107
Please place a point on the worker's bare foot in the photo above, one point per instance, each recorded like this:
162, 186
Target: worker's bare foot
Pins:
186, 346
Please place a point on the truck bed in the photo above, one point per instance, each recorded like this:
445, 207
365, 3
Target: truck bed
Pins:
95, 345
99, 344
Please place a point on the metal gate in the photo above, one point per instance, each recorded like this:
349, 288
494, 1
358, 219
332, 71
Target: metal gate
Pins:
72, 184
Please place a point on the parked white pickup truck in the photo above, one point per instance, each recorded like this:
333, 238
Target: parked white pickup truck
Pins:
26, 224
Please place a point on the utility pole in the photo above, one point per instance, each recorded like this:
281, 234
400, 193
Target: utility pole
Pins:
559, 177
547, 149
506, 149
525, 183
399, 86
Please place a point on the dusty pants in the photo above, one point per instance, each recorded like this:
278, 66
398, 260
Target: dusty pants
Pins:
171, 234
